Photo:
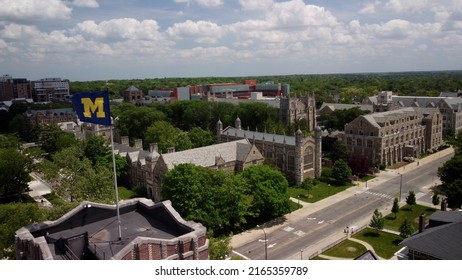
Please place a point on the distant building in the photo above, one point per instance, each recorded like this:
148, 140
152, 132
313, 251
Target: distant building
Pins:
14, 88
388, 137
90, 232
50, 89
133, 95
296, 156
51, 116
449, 105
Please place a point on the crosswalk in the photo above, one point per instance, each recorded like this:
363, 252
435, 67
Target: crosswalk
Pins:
383, 195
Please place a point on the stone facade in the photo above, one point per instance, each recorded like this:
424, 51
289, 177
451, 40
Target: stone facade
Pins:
133, 95
449, 106
296, 156
292, 109
387, 137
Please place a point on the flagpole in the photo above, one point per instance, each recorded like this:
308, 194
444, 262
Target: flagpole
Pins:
115, 186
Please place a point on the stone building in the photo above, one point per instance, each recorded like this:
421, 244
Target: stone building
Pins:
450, 107
148, 168
133, 95
51, 116
148, 231
292, 109
296, 156
387, 137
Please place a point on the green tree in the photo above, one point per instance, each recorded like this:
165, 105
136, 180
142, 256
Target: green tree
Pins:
267, 188
200, 137
52, 138
406, 229
339, 151
134, 121
410, 199
77, 179
395, 208
341, 172
164, 134
15, 167
451, 185
95, 148
212, 197
13, 217
219, 247
378, 221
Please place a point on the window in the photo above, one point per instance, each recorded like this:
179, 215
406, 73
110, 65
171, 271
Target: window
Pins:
359, 142
369, 143
349, 142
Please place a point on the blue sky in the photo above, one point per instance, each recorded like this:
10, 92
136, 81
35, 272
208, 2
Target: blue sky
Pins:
124, 39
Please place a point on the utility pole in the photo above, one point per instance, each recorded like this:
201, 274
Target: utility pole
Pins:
400, 186
266, 242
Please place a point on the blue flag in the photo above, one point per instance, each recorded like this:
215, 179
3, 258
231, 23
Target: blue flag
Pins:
92, 107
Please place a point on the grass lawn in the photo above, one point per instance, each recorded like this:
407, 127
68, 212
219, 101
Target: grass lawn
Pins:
385, 244
125, 193
406, 213
318, 192
346, 249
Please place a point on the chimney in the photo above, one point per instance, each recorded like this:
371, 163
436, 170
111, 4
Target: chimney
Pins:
444, 205
138, 144
421, 223
153, 147
170, 150
124, 140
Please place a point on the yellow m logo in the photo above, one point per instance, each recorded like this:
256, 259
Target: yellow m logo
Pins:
90, 108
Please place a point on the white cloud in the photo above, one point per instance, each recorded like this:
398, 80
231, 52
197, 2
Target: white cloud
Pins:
368, 9
201, 31
20, 10
253, 5
120, 30
407, 6
205, 3
86, 3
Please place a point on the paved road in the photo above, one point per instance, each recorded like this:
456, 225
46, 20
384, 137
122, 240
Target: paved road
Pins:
307, 231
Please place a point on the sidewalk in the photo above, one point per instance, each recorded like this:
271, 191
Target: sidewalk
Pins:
309, 208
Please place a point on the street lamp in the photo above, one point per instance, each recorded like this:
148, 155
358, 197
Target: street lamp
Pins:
301, 254
400, 186
266, 242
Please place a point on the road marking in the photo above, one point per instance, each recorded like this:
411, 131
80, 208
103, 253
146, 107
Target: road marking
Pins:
241, 255
288, 229
272, 245
320, 222
383, 195
262, 240
299, 233
310, 219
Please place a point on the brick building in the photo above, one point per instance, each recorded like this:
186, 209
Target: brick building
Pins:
50, 89
133, 95
387, 137
13, 88
149, 231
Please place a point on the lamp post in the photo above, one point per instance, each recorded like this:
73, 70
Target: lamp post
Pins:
301, 254
400, 186
266, 242
298, 196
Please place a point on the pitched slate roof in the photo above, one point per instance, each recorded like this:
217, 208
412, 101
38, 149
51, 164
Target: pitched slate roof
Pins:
277, 138
382, 117
206, 156
442, 242
340, 106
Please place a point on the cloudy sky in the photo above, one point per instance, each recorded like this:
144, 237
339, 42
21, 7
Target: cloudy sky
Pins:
124, 39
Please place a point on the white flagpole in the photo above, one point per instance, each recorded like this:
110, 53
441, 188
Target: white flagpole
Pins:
115, 186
